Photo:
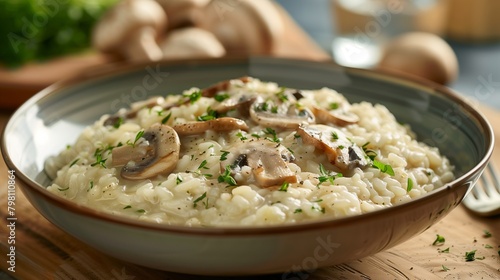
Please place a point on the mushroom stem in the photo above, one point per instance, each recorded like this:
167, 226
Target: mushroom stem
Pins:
142, 45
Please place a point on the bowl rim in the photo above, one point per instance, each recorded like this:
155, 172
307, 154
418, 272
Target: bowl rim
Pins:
116, 69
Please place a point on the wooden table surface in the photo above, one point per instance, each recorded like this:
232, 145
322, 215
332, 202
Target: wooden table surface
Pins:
43, 251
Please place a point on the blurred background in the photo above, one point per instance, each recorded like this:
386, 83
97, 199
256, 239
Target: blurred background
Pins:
458, 43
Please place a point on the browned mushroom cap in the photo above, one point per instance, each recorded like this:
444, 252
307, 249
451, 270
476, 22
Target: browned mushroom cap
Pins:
134, 108
157, 152
340, 151
244, 26
220, 125
286, 115
267, 160
242, 101
131, 28
191, 42
180, 12
338, 117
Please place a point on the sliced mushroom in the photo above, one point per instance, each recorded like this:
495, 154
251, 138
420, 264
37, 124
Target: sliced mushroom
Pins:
220, 125
241, 101
212, 90
287, 115
157, 152
134, 109
338, 117
340, 151
131, 28
267, 160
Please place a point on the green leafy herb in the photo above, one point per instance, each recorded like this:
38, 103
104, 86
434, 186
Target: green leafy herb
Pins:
274, 109
193, 97
444, 268
203, 165
91, 185
470, 256
74, 162
178, 180
487, 234
282, 95
333, 105
118, 122
488, 246
385, 168
284, 187
327, 176
165, 119
221, 97
140, 211
223, 156
138, 136
409, 184
241, 136
261, 107
226, 177
200, 198
320, 209
447, 250
298, 210
439, 240
127, 207
272, 132
334, 136
210, 115
99, 158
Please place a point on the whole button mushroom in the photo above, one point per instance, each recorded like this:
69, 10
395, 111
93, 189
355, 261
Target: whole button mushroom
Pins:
191, 42
421, 54
244, 26
131, 28
181, 13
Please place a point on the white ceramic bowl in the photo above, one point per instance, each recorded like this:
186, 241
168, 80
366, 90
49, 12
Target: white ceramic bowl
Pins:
54, 117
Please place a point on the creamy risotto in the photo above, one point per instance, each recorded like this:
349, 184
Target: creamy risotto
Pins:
246, 152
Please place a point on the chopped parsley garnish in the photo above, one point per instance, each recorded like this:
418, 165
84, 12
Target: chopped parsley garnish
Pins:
272, 132
165, 119
210, 115
371, 154
333, 106
284, 187
470, 256
141, 211
385, 168
488, 246
74, 162
261, 107
178, 180
409, 184
226, 177
274, 109
91, 185
221, 97
334, 136
327, 176
320, 209
241, 136
444, 268
203, 165
200, 198
118, 122
138, 136
255, 135
193, 97
447, 250
223, 156
439, 240
99, 160
127, 207
281, 94
487, 234
298, 210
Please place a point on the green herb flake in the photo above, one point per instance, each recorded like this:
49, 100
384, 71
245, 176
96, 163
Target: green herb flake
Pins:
488, 246
210, 115
203, 165
138, 136
272, 132
384, 168
447, 250
165, 119
99, 158
335, 136
241, 136
200, 198
74, 162
298, 210
127, 207
439, 240
333, 106
193, 97
221, 97
223, 156
282, 95
141, 211
119, 121
327, 176
444, 268
409, 184
178, 179
274, 109
226, 177
470, 256
487, 234
91, 185
284, 187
